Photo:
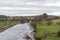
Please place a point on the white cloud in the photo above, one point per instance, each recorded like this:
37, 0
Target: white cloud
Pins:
21, 8
4, 1
53, 4
27, 14
36, 3
55, 13
28, 2
16, 2
42, 5
28, 8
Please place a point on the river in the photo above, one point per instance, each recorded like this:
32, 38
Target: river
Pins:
18, 32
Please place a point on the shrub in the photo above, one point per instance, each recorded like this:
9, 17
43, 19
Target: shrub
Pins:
49, 23
58, 33
58, 23
38, 38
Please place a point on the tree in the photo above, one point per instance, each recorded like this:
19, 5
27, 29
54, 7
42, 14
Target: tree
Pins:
45, 15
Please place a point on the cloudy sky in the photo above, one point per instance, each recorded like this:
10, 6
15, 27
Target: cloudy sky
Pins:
29, 7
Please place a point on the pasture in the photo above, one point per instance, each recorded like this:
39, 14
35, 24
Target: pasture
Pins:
48, 30
6, 25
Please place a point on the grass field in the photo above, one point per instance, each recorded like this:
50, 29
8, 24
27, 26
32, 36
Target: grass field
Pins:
53, 38
6, 25
43, 29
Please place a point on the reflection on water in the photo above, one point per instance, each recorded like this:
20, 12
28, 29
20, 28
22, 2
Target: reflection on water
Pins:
18, 32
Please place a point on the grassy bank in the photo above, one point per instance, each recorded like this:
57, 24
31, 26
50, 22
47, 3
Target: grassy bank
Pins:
6, 25
47, 30
53, 38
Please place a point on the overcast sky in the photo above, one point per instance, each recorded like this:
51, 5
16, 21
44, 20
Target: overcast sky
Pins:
29, 7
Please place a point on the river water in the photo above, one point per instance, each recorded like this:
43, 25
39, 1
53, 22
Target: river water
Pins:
18, 32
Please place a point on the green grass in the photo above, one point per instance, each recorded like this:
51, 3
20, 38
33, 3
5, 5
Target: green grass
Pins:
6, 23
53, 38
42, 28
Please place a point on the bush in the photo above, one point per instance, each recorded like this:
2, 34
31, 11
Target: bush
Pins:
58, 23
38, 38
49, 23
58, 33
34, 25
